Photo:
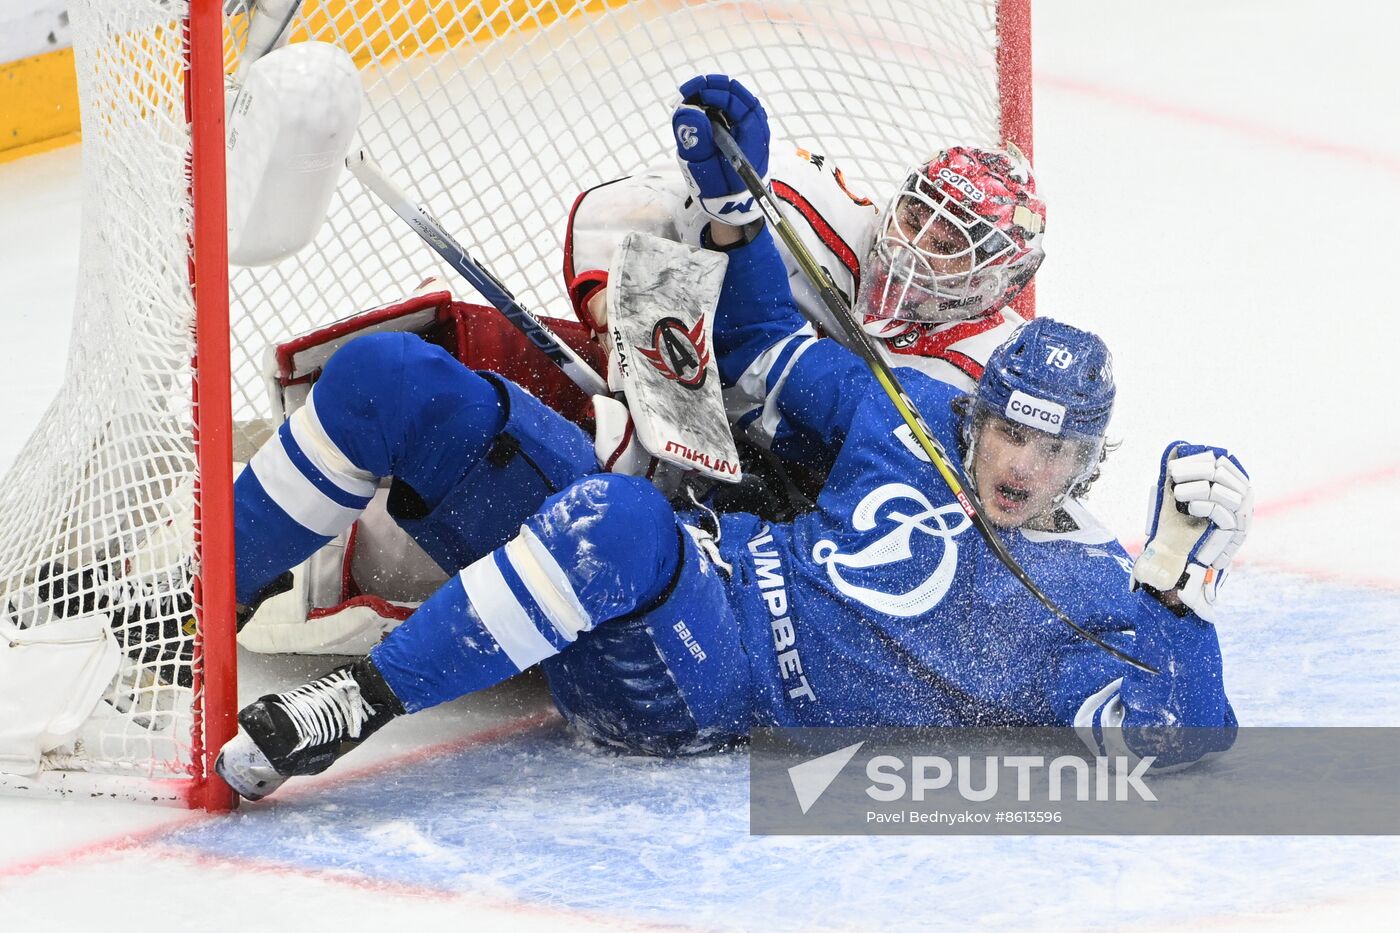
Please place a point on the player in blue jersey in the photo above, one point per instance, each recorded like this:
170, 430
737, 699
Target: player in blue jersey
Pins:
672, 633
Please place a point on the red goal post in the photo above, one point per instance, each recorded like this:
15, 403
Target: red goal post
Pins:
498, 112
1015, 94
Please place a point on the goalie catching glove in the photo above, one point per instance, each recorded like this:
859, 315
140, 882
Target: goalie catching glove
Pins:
709, 176
1200, 514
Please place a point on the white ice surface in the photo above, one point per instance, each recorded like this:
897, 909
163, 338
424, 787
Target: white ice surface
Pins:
1222, 178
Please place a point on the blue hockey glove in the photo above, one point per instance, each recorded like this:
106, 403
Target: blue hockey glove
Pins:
712, 181
1200, 514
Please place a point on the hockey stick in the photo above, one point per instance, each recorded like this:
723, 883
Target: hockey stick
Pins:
268, 24
864, 347
560, 353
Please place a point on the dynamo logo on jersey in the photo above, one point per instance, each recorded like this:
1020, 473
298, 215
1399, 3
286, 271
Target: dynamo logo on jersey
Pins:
895, 546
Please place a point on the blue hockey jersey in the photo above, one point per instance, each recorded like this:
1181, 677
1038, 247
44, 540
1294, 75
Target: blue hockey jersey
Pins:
883, 606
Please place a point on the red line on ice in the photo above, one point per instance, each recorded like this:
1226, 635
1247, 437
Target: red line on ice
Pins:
502, 731
353, 879
1323, 575
113, 844
1384, 161
136, 840
1328, 490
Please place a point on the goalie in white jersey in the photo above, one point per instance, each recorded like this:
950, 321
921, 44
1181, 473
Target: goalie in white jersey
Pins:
932, 274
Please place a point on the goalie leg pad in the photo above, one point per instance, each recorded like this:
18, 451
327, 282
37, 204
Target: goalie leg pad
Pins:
51, 678
291, 125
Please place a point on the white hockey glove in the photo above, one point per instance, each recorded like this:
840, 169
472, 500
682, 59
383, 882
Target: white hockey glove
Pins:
709, 176
1200, 513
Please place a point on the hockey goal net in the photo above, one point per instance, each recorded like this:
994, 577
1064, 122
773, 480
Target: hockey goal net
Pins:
497, 112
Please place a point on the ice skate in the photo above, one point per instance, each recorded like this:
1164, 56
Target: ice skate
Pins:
304, 730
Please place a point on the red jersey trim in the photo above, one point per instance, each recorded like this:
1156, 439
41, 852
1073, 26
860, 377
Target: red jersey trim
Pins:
582, 290
937, 345
962, 361
825, 232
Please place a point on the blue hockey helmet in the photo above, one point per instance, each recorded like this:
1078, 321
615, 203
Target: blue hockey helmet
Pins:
1051, 377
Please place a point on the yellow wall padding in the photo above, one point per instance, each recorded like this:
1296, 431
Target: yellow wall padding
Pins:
39, 95
38, 104
370, 29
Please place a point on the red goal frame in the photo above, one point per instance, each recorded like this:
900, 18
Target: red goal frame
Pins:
1015, 94
216, 664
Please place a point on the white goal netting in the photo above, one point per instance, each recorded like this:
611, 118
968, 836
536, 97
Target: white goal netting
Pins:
495, 113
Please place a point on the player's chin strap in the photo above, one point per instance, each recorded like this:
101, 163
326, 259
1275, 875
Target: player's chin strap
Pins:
860, 342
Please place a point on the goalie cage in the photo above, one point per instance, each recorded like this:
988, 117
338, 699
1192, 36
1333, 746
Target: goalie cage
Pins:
500, 111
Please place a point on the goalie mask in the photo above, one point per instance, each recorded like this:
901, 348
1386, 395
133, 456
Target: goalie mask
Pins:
1038, 419
959, 240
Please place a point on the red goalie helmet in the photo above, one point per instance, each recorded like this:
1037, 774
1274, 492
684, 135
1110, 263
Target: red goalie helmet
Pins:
959, 240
